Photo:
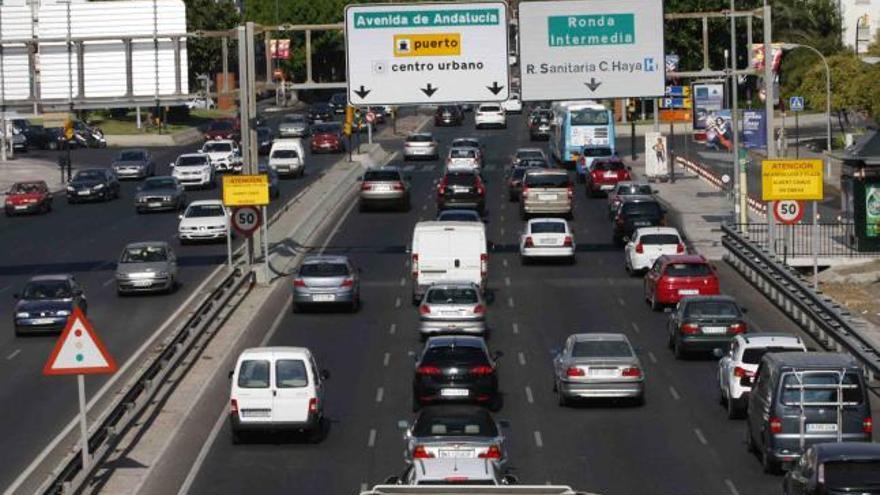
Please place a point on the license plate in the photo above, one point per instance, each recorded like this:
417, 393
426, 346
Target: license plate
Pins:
642, 223
142, 283
460, 190
43, 321
324, 297
255, 413
419, 151
449, 313
381, 188
20, 207
456, 453
688, 292
715, 330
454, 392
603, 371
546, 242
547, 197
610, 175
821, 428
83, 193
154, 205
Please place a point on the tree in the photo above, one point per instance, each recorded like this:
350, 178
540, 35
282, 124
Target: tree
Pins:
205, 55
853, 85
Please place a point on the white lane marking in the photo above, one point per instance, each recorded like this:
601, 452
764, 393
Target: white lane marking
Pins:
504, 262
397, 303
510, 301
635, 327
372, 440
507, 281
502, 231
515, 328
652, 357
386, 359
502, 218
336, 227
674, 393
503, 205
393, 328
425, 207
13, 354
363, 487
539, 440
402, 281
529, 396
731, 487
108, 282
700, 436
522, 359
380, 393
203, 453
621, 301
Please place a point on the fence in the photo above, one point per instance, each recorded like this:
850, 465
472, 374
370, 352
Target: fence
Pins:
835, 239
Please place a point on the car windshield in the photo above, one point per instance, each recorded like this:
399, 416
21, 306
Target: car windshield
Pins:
89, 175
131, 156
642, 208
472, 143
323, 270
490, 108
659, 239
26, 188
688, 270
202, 211
852, 473
47, 289
189, 161
526, 154
634, 189
291, 373
711, 309
452, 295
446, 109
154, 184
381, 176
217, 147
601, 348
461, 179
285, 154
455, 354
419, 138
589, 116
295, 119
548, 228
253, 373
462, 153
144, 254
476, 423
458, 216
547, 180
753, 355
822, 390
325, 128
588, 151
221, 125
608, 166
533, 163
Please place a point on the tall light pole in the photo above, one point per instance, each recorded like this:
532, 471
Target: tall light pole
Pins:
792, 46
769, 99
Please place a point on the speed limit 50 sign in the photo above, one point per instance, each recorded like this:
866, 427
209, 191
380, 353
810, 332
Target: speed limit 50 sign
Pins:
246, 220
788, 211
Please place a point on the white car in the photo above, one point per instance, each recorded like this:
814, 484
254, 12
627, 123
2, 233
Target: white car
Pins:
420, 145
649, 243
225, 155
453, 471
277, 388
461, 158
490, 115
193, 170
739, 365
286, 157
512, 104
205, 220
546, 238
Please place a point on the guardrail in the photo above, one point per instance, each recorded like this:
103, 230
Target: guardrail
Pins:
827, 322
835, 239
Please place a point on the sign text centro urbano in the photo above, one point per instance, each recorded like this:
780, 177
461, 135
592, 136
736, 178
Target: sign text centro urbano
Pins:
580, 49
426, 53
791, 179
245, 190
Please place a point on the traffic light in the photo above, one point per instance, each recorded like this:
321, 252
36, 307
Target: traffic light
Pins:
68, 129
349, 118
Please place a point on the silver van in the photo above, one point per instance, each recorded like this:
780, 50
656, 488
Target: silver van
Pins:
801, 399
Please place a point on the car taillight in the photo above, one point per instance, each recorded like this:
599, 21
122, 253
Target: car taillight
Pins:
298, 282
415, 266
441, 187
632, 371
639, 248
820, 475
525, 191
313, 405
680, 248
529, 242
424, 309
741, 372
690, 328
428, 370
775, 425
421, 453
397, 186
484, 264
868, 425
492, 453
570, 192
574, 371
233, 406
567, 242
349, 282
482, 370
366, 186
480, 189
479, 309
619, 220
737, 328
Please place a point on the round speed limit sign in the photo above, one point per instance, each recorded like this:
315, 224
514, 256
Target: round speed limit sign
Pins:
246, 220
371, 117
788, 211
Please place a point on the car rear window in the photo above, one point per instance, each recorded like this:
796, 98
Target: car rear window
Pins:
711, 309
253, 373
525, 154
323, 270
295, 119
642, 208
462, 153
608, 166
127, 156
457, 481
823, 388
325, 128
217, 147
633, 190
477, 424
458, 216
659, 239
533, 163
852, 473
490, 108
291, 373
688, 270
418, 138
588, 151
455, 354
382, 175
26, 188
548, 228
461, 179
285, 154
451, 295
466, 143
548, 180
601, 348
754, 355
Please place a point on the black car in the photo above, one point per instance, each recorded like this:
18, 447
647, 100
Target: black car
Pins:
456, 369
160, 193
320, 112
339, 101
93, 184
704, 323
836, 469
46, 302
539, 124
636, 212
264, 140
448, 115
461, 189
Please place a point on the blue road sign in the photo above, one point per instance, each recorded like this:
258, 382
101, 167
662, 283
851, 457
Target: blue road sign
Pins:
796, 103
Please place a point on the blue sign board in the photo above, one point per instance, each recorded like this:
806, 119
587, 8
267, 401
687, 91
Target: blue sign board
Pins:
796, 103
754, 129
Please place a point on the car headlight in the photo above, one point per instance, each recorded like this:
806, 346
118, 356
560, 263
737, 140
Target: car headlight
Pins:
70, 188
22, 314
99, 186
161, 274
62, 312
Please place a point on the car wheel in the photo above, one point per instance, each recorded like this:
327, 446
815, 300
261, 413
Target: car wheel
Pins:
511, 197
354, 305
237, 437
139, 211
639, 401
561, 399
522, 214
734, 408
677, 351
523, 260
750, 443
655, 306
496, 403
316, 434
767, 464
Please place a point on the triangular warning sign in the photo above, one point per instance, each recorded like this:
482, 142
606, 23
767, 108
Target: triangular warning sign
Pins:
79, 351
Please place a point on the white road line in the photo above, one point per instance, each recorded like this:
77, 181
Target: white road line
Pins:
652, 357
635, 327
336, 227
731, 487
372, 440
13, 354
502, 231
397, 303
674, 393
502, 218
380, 393
522, 359
425, 207
402, 281
364, 487
510, 301
504, 262
700, 436
203, 453
503, 205
539, 440
386, 359
515, 328
621, 301
108, 282
529, 396
507, 281
393, 328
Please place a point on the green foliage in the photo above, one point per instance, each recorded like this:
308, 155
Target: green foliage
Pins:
853, 85
205, 53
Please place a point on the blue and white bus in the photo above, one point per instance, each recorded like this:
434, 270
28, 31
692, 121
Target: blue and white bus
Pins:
582, 128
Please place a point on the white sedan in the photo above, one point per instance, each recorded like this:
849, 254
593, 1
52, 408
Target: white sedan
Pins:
205, 220
490, 115
546, 238
512, 104
649, 243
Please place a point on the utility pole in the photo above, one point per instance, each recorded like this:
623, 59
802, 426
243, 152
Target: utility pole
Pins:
738, 178
768, 109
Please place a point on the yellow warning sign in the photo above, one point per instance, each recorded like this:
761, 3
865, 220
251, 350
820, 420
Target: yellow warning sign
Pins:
245, 190
427, 45
791, 179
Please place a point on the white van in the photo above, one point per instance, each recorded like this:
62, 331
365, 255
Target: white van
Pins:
448, 252
288, 157
277, 388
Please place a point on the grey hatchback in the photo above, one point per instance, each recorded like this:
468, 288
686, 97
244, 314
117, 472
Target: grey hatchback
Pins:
384, 186
598, 365
160, 193
326, 280
146, 267
457, 430
452, 308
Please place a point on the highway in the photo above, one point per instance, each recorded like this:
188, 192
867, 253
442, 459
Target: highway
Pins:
679, 443
86, 240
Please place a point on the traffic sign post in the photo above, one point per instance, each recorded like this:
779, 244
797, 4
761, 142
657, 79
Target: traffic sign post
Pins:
788, 212
586, 49
246, 220
79, 351
796, 104
406, 54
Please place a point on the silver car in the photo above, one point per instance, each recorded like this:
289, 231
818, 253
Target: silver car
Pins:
598, 365
326, 280
452, 308
134, 164
546, 191
295, 125
455, 431
160, 193
420, 145
384, 186
146, 267
453, 472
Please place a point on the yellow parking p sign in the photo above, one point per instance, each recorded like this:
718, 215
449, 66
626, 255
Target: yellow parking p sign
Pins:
427, 45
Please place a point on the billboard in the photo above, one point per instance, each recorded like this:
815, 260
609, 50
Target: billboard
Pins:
708, 98
719, 133
754, 129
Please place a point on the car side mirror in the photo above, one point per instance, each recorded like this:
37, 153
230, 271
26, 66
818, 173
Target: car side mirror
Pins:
325, 375
655, 191
718, 352
180, 217
509, 479
744, 310
361, 178
809, 349
626, 238
392, 480
231, 372
171, 165
504, 423
16, 296
629, 167
498, 354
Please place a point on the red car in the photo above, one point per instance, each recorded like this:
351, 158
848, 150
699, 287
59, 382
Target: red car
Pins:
223, 129
28, 197
327, 138
674, 277
605, 174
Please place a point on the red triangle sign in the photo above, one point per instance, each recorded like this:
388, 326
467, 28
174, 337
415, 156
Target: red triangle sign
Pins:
79, 351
